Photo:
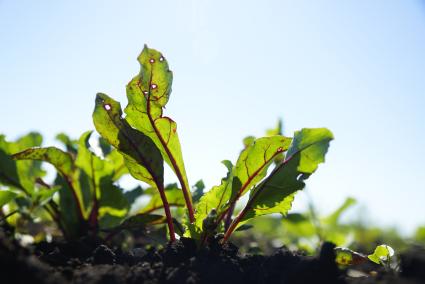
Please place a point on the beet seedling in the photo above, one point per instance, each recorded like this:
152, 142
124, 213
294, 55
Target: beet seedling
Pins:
270, 170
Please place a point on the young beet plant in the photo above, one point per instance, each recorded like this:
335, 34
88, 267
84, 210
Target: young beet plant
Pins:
270, 170
145, 138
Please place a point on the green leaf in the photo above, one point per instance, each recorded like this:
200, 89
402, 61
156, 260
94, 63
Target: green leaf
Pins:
276, 193
43, 195
96, 183
21, 174
6, 196
141, 156
382, 254
174, 196
345, 257
147, 94
61, 160
215, 198
254, 161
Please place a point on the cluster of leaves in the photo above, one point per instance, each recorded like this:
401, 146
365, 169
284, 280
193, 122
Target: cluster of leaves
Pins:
146, 138
269, 170
83, 199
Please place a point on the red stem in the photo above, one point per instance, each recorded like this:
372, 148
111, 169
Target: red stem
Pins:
167, 212
93, 218
187, 196
248, 205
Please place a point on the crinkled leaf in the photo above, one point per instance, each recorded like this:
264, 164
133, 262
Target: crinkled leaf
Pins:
276, 193
382, 254
142, 157
147, 94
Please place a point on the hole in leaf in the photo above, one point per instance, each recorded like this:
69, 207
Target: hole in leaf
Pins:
151, 60
154, 86
161, 58
107, 106
280, 149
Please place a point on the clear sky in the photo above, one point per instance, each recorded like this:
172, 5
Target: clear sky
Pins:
356, 67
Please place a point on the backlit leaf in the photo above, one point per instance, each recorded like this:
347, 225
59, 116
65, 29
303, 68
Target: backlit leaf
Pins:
276, 193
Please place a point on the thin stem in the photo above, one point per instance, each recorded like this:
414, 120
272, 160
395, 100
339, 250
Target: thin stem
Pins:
93, 217
234, 224
231, 207
186, 194
229, 214
167, 213
252, 199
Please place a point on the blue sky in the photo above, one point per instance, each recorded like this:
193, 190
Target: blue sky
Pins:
356, 67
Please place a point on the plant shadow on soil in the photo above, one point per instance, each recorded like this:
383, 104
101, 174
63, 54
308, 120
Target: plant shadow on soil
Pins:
90, 261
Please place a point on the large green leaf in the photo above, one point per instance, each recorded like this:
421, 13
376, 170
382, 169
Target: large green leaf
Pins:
147, 94
142, 157
19, 174
276, 193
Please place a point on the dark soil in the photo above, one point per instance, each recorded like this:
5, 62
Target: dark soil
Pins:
89, 261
